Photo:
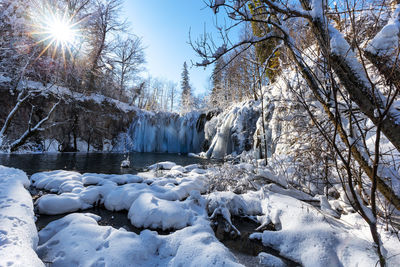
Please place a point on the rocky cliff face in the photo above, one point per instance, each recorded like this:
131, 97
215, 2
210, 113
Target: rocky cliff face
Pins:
97, 123
88, 123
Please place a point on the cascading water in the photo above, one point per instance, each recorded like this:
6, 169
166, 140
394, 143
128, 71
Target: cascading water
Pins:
166, 132
219, 134
233, 130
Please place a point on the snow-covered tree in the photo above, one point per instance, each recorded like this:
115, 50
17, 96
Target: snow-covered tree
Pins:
217, 83
187, 95
350, 70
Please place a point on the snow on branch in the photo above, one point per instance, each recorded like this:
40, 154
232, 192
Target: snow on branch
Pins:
289, 11
386, 42
216, 53
216, 4
30, 131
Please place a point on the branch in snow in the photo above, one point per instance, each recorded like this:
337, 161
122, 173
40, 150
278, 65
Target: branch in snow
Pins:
224, 212
17, 143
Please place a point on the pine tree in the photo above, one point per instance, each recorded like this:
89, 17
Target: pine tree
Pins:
187, 96
217, 82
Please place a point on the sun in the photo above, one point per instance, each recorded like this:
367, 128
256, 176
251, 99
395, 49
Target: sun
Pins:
57, 30
62, 31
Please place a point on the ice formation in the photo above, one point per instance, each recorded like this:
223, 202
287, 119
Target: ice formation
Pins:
166, 132
229, 132
232, 131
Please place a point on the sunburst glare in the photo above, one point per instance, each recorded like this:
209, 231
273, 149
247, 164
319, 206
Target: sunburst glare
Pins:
62, 32
57, 30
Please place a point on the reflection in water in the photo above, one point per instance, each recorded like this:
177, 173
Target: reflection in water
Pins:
91, 162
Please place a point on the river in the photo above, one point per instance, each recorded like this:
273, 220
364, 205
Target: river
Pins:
108, 163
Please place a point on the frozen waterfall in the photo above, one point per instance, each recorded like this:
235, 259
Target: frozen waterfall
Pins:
232, 131
219, 134
166, 132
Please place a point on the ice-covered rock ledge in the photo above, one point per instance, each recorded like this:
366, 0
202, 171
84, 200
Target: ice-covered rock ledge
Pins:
18, 235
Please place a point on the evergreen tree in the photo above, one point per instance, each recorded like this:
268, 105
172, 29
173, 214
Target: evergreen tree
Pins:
217, 82
187, 96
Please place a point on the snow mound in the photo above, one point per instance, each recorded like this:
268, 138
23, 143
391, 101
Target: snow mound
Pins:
65, 181
55, 181
244, 204
270, 260
305, 234
120, 192
311, 237
76, 239
166, 165
18, 235
150, 211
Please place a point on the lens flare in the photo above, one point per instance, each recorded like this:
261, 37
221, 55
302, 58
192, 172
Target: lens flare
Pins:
62, 32
56, 29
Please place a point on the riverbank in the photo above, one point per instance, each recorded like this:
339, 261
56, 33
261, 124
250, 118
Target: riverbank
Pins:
183, 219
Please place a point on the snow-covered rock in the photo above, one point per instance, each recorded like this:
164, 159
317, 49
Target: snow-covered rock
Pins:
117, 192
77, 239
171, 200
150, 211
166, 165
270, 260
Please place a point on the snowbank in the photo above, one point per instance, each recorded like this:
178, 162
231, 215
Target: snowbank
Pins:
304, 233
171, 200
18, 235
77, 239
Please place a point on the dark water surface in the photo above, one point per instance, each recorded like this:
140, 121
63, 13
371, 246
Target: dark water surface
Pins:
91, 162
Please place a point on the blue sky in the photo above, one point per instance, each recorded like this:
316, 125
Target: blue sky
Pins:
164, 27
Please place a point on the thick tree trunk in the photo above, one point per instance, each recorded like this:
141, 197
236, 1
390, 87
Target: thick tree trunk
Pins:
365, 100
390, 70
383, 188
360, 92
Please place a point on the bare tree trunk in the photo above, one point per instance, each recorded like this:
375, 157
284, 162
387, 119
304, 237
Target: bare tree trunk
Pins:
263, 117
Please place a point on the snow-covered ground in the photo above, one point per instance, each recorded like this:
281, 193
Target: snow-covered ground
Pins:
180, 200
18, 235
